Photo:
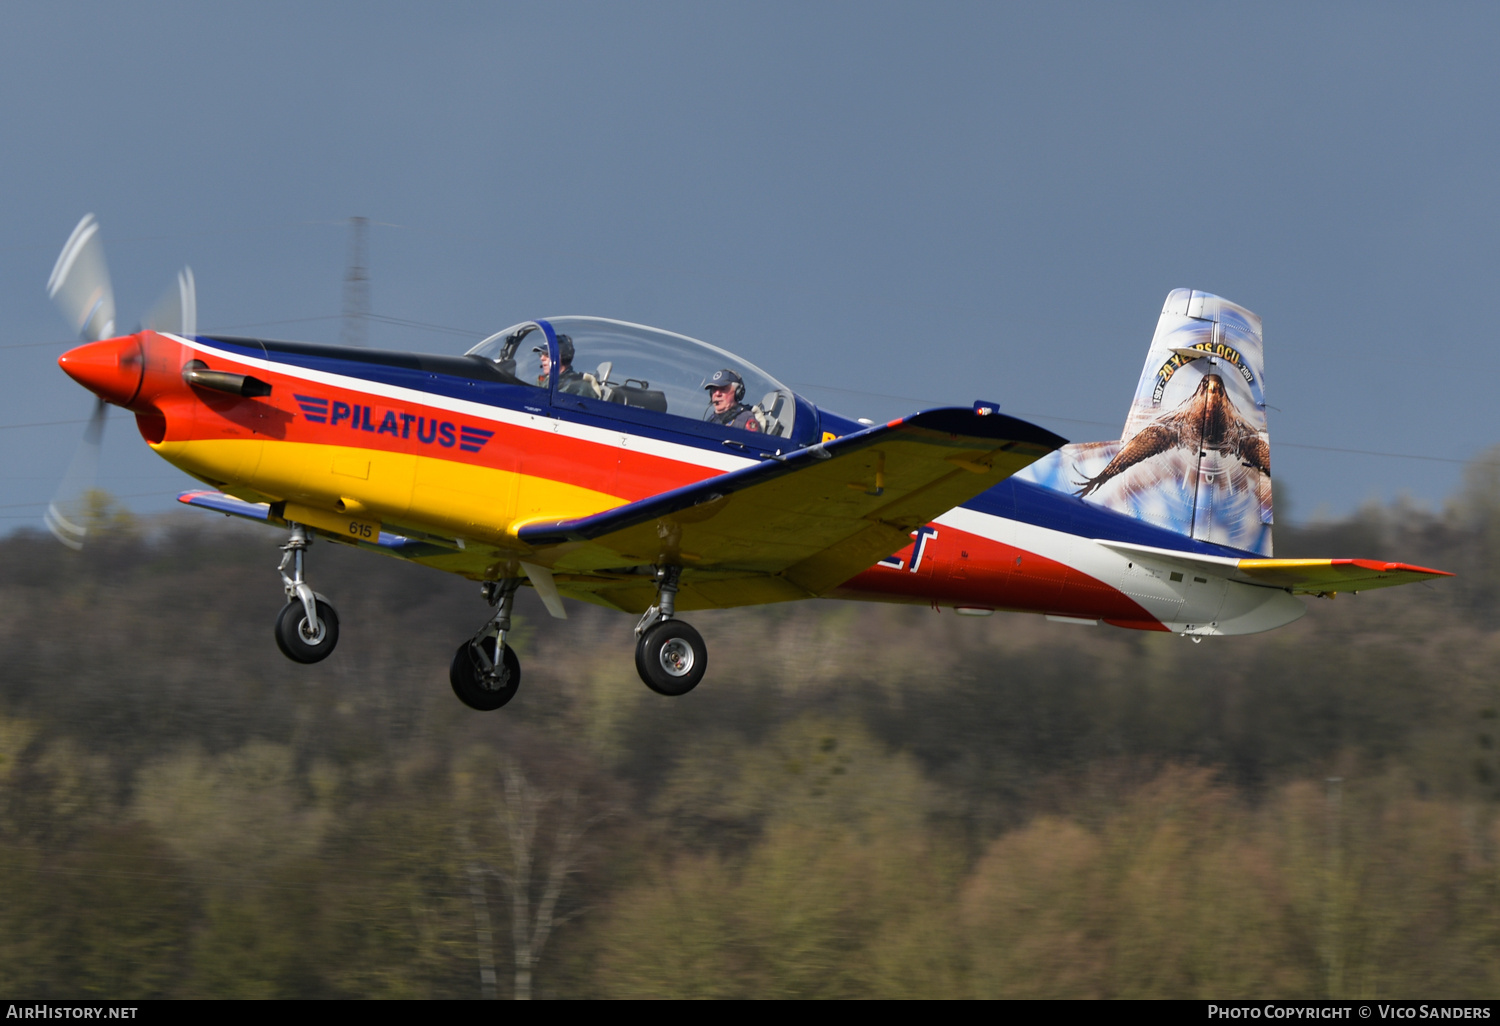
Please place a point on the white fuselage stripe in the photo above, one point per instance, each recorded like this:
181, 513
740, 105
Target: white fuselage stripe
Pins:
1198, 601
1073, 551
618, 438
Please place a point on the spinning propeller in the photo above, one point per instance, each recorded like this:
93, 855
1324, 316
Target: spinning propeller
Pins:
80, 287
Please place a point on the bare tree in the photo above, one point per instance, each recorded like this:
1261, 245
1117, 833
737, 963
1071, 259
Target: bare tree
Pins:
484, 943
521, 812
541, 845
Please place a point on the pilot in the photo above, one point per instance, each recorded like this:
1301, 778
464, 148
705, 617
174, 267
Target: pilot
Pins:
568, 379
726, 390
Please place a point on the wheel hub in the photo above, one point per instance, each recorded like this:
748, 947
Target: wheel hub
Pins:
490, 674
677, 657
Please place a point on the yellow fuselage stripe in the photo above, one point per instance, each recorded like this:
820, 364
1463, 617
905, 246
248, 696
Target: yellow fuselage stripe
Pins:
425, 492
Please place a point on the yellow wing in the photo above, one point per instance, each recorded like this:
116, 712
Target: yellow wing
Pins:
791, 528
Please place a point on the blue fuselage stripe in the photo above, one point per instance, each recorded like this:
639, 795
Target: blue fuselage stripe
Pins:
1031, 503
1021, 501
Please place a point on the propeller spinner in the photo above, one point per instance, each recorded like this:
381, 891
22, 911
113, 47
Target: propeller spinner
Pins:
81, 288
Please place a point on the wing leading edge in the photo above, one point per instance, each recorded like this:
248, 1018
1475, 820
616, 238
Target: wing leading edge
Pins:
794, 527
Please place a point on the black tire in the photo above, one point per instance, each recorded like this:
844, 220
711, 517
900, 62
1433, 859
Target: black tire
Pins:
300, 645
671, 657
480, 690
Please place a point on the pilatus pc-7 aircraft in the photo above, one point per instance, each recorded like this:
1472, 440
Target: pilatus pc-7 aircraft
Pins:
655, 474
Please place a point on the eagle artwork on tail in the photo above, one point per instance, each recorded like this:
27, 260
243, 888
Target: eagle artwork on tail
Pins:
1206, 421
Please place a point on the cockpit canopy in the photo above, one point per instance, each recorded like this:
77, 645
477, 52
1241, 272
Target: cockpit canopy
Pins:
631, 365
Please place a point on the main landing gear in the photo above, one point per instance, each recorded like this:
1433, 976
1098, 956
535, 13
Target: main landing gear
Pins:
307, 628
485, 672
670, 655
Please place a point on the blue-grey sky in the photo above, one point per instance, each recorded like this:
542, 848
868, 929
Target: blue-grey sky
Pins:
885, 205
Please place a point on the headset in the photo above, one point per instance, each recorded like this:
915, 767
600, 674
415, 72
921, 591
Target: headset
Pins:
739, 383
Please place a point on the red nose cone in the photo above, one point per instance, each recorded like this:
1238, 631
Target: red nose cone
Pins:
111, 369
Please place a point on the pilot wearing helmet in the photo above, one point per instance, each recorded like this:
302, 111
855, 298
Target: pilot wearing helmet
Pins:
568, 379
726, 390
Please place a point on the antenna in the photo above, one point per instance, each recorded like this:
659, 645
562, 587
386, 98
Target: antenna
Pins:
356, 285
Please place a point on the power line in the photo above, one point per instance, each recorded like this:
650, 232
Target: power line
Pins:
1100, 423
34, 345
265, 324
1388, 455
38, 505
43, 423
444, 328
206, 233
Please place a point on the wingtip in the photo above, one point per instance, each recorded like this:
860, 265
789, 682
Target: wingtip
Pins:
1381, 566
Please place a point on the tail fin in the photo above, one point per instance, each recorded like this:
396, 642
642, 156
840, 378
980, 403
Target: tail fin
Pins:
1195, 456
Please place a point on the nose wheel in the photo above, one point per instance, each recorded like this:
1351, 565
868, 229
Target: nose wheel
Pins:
303, 639
307, 628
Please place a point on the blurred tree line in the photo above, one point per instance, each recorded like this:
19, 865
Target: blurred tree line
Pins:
859, 800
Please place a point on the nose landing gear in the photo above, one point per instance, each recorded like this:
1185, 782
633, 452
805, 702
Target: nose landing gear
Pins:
485, 672
670, 655
307, 628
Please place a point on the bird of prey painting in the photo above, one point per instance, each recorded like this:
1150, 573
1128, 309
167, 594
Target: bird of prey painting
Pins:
1206, 422
1194, 455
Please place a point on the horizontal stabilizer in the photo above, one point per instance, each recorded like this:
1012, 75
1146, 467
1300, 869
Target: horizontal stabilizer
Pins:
1298, 576
1327, 576
812, 519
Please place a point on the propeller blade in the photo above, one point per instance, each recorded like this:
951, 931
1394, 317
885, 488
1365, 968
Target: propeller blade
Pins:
69, 506
80, 286
176, 313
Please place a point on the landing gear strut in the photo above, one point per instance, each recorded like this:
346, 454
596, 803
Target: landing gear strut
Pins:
307, 628
485, 672
670, 655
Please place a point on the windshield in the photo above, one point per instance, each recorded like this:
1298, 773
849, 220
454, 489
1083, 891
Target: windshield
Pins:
633, 365
520, 352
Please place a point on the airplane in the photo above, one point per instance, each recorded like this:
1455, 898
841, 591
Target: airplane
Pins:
677, 476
